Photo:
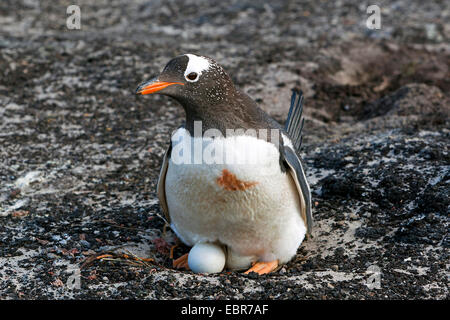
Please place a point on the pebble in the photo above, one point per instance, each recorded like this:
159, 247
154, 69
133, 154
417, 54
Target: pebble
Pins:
353, 216
85, 243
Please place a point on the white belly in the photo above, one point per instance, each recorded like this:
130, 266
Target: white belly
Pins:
261, 219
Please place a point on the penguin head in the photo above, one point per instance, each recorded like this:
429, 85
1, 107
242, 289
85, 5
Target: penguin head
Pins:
194, 81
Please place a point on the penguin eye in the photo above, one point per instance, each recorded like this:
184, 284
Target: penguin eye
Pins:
192, 76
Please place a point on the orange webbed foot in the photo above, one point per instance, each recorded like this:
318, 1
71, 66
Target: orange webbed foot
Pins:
181, 262
263, 267
172, 249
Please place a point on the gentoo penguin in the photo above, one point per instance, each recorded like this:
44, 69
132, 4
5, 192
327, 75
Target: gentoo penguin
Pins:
220, 182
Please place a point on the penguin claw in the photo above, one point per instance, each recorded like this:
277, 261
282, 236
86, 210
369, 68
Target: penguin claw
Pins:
172, 248
181, 262
263, 267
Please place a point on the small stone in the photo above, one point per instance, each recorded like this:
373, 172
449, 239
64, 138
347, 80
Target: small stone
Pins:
20, 214
353, 216
88, 252
56, 238
52, 256
84, 243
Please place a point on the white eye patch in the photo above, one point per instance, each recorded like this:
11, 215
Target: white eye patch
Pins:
196, 64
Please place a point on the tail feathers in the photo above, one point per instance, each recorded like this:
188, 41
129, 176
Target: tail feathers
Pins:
294, 123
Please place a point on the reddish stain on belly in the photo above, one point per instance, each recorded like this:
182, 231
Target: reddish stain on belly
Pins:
231, 183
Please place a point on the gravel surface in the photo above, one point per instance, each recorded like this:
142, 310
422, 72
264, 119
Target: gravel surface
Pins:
80, 153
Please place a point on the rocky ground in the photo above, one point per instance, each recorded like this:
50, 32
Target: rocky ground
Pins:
80, 153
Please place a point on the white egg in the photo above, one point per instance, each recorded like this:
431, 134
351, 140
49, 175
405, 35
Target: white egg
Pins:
206, 258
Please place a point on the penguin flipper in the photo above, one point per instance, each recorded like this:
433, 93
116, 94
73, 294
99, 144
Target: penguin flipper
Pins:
298, 174
294, 123
161, 186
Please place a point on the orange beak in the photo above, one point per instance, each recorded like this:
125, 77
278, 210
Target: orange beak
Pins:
154, 86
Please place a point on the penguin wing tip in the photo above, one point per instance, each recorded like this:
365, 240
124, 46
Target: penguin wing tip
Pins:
296, 91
